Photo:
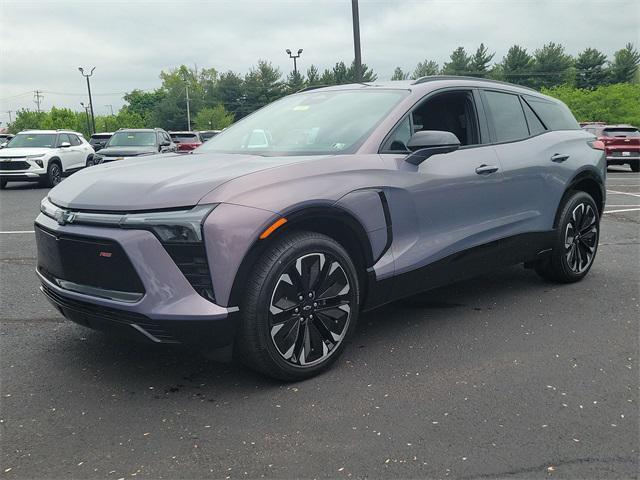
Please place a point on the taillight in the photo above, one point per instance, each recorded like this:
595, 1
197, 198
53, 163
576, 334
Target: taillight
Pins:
596, 144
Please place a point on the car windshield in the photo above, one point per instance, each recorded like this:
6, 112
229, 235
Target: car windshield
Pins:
313, 123
621, 132
33, 140
184, 137
132, 139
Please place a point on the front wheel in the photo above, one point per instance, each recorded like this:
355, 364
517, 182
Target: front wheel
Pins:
635, 166
3, 184
300, 307
54, 175
576, 241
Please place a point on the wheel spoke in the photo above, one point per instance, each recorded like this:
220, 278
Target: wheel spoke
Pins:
310, 309
577, 215
285, 336
335, 284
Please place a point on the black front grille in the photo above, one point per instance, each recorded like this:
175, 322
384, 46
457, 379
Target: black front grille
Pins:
94, 262
91, 315
4, 165
191, 259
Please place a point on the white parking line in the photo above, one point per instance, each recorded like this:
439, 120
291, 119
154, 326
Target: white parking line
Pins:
18, 231
623, 210
623, 193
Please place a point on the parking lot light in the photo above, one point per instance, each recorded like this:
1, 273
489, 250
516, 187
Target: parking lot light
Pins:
87, 75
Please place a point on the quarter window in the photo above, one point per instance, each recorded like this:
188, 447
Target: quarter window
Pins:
535, 125
75, 141
508, 117
556, 116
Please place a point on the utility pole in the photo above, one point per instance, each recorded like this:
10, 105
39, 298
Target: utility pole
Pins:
105, 120
188, 112
10, 112
93, 118
37, 97
86, 112
356, 40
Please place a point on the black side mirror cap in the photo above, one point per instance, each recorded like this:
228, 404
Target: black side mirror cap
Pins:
427, 143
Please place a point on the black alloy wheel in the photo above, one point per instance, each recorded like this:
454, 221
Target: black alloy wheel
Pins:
300, 307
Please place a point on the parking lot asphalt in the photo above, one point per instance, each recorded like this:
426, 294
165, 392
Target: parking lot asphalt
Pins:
501, 376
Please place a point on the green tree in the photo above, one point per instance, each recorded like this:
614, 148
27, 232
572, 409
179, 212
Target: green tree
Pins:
143, 103
213, 118
615, 103
625, 64
552, 66
229, 92
26, 120
517, 66
262, 85
458, 63
368, 75
591, 71
313, 76
398, 74
424, 69
295, 82
479, 62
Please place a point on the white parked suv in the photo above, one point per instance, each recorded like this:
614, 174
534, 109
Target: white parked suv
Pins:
43, 156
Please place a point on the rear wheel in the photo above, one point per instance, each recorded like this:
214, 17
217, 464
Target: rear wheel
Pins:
576, 241
90, 161
300, 307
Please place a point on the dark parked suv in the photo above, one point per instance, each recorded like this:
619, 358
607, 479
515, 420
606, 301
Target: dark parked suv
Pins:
274, 235
135, 142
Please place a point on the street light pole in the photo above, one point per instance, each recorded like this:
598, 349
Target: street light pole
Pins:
86, 112
356, 40
93, 118
188, 111
295, 57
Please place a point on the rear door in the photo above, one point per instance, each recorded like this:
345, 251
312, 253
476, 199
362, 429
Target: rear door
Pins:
81, 151
68, 157
531, 156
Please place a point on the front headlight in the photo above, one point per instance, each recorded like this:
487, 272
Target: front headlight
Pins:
184, 226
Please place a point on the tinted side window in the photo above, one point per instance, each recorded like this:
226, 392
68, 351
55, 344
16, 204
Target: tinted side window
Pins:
75, 140
555, 116
63, 137
508, 117
535, 125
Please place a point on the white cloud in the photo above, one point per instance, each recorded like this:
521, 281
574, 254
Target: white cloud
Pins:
43, 42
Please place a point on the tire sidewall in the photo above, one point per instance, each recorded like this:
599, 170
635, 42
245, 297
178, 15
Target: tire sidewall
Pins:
322, 244
51, 169
559, 251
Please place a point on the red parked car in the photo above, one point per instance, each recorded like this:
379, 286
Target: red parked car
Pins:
186, 141
621, 143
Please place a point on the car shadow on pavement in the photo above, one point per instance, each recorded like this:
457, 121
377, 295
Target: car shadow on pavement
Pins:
175, 370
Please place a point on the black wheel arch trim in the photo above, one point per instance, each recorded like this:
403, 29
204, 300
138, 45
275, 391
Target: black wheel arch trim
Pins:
297, 218
588, 175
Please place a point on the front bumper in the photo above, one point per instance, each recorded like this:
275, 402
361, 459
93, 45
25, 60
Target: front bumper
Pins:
170, 311
22, 176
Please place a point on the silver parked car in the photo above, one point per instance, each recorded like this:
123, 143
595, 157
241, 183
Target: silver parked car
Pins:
271, 237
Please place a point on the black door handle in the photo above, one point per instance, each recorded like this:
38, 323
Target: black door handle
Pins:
559, 157
486, 169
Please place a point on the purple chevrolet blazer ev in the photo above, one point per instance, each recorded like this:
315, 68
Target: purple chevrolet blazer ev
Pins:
268, 240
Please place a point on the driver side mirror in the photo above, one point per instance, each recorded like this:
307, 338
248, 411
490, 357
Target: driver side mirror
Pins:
65, 145
164, 143
4, 144
427, 143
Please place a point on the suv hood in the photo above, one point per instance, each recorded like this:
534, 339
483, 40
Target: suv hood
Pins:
158, 181
23, 152
127, 151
